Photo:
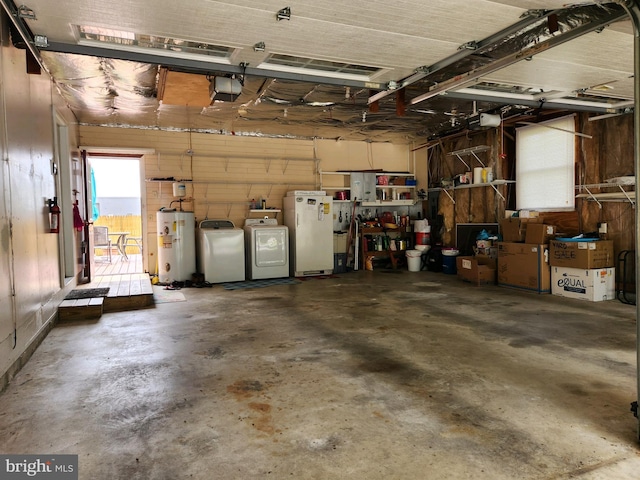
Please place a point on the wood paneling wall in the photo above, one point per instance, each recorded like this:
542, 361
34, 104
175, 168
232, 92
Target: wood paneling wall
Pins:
472, 205
224, 172
608, 154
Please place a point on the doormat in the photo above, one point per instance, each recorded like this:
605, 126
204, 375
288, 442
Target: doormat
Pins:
87, 293
160, 295
260, 283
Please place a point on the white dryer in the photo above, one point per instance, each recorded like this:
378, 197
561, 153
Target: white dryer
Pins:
220, 251
267, 248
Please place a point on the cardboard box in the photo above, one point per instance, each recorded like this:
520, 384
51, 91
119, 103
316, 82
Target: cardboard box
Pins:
583, 255
524, 266
594, 285
514, 229
479, 270
539, 233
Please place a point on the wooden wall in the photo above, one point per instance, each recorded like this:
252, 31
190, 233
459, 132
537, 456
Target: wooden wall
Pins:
226, 172
608, 154
472, 205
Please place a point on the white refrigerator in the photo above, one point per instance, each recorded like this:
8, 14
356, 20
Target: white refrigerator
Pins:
309, 216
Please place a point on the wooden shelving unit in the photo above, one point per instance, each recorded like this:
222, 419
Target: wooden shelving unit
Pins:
395, 256
332, 187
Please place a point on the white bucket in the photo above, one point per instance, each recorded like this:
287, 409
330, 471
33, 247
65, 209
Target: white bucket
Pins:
413, 260
421, 226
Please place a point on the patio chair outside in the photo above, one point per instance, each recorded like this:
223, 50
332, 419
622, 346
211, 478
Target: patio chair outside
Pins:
101, 240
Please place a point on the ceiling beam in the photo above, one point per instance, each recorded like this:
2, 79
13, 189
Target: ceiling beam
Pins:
529, 19
467, 78
191, 65
575, 104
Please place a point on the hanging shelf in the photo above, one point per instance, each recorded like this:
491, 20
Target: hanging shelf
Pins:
619, 195
470, 151
495, 184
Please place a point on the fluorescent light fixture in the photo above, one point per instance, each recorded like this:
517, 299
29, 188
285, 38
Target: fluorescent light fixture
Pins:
294, 64
119, 39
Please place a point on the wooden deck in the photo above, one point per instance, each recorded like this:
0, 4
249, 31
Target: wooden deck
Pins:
119, 265
129, 289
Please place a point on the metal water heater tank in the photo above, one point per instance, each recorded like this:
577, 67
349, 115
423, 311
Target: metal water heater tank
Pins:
176, 246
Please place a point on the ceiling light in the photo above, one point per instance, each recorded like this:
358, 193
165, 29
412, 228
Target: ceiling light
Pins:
26, 12
259, 47
40, 41
284, 14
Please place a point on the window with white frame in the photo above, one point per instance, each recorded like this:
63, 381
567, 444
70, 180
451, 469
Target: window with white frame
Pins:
545, 165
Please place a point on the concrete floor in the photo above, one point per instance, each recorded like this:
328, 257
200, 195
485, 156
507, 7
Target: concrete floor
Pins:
371, 375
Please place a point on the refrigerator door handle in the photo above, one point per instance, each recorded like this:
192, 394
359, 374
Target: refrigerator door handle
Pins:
297, 219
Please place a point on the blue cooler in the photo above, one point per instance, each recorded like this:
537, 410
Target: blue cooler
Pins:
449, 260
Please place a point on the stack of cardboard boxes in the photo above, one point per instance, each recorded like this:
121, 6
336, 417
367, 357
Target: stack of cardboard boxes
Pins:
583, 270
531, 259
523, 256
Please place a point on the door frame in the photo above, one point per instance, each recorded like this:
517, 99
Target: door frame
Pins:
62, 171
132, 152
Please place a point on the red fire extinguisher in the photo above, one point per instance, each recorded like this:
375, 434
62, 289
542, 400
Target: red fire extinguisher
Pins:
54, 216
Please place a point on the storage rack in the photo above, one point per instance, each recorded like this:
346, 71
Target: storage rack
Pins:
620, 195
470, 151
495, 184
376, 203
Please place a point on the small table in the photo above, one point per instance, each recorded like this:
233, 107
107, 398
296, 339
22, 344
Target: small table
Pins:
121, 243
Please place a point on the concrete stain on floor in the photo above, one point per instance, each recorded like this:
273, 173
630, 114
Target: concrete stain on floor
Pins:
363, 376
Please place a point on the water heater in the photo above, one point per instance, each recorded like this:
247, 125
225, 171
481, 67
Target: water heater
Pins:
176, 246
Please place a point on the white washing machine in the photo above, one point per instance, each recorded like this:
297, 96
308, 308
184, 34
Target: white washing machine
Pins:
267, 248
220, 251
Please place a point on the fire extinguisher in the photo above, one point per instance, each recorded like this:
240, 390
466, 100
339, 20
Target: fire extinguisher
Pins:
54, 216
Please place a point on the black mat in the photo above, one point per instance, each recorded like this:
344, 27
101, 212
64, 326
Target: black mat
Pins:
259, 283
87, 293
316, 277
